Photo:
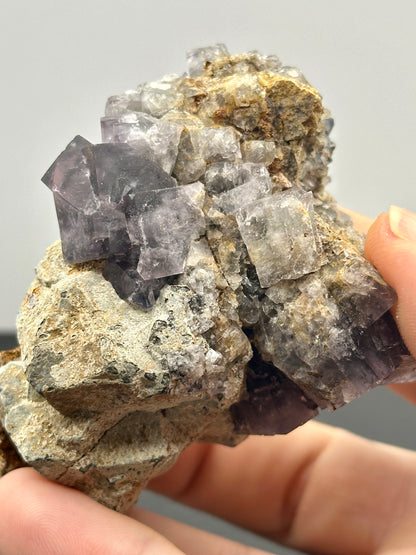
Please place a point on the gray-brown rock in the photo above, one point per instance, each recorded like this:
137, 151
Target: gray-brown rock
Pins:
106, 395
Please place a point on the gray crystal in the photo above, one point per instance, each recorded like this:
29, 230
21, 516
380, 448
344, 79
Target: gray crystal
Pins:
159, 97
121, 272
280, 235
262, 152
249, 302
201, 147
198, 58
223, 176
248, 193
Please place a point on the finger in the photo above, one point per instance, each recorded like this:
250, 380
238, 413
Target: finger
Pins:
39, 516
189, 539
395, 258
361, 223
318, 489
391, 247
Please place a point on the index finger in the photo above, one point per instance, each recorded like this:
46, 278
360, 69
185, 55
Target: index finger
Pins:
376, 252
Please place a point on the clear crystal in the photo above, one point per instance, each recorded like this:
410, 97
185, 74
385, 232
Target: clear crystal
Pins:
280, 236
293, 73
119, 104
223, 176
159, 97
198, 57
260, 152
231, 201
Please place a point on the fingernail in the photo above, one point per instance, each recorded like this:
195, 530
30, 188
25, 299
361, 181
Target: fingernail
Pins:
402, 223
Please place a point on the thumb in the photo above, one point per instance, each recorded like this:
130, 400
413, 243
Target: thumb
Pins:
391, 247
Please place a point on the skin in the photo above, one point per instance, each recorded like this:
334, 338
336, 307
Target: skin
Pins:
327, 491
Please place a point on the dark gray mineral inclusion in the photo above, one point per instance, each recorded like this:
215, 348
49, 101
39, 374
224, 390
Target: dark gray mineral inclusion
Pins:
206, 287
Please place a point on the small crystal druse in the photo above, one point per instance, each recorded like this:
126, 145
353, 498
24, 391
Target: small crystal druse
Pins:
206, 287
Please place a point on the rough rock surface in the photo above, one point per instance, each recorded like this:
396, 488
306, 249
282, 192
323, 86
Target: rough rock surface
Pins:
206, 286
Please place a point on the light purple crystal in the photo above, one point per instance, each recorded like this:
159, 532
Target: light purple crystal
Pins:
112, 200
154, 138
164, 222
69, 177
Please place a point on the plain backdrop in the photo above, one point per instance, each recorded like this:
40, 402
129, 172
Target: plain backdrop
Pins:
61, 60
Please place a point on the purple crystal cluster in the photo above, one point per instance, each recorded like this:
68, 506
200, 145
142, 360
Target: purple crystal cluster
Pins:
113, 202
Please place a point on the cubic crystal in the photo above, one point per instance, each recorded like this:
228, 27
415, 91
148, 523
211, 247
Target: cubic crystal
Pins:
280, 235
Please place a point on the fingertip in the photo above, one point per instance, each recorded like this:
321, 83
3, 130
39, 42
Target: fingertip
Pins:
390, 247
402, 223
378, 233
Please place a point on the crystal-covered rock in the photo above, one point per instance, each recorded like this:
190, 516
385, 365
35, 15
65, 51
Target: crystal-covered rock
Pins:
249, 302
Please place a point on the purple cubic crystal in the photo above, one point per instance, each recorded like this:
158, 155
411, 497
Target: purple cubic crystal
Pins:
112, 201
69, 177
163, 222
273, 403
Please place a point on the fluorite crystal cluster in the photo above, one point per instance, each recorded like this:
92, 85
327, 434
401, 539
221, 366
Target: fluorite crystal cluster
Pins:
209, 288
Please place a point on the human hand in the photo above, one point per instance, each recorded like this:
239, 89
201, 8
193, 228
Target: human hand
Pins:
318, 489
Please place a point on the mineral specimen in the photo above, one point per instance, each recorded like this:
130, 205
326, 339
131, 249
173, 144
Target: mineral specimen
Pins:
206, 287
